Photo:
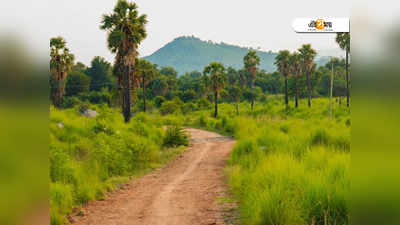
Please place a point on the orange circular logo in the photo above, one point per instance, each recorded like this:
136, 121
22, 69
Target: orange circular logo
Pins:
320, 24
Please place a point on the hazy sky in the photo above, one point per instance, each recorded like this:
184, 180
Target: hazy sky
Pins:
251, 23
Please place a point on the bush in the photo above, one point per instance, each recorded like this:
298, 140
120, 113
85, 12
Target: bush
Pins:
99, 97
176, 136
170, 107
70, 102
158, 101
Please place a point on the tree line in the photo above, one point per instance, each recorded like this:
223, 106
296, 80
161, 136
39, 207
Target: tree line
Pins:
134, 82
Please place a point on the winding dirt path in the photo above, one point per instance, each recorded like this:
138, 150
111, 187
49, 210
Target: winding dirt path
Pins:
182, 193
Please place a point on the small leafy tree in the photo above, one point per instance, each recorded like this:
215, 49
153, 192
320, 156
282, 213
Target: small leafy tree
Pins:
215, 79
235, 94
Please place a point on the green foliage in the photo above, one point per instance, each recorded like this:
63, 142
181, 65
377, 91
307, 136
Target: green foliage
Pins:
288, 166
77, 82
170, 107
100, 74
175, 136
90, 156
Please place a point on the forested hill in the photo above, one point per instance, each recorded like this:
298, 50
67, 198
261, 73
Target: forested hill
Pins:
186, 54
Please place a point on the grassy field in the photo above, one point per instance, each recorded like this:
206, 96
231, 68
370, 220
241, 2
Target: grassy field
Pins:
90, 156
289, 167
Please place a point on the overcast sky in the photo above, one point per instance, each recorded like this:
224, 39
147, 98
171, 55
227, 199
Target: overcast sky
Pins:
250, 23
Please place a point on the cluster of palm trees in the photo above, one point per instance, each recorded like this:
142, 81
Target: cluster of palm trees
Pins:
126, 29
295, 64
215, 78
302, 62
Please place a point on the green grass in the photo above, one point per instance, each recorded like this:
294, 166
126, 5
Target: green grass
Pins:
91, 156
289, 167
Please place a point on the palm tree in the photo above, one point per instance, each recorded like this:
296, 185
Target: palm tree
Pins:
251, 61
61, 62
343, 39
295, 70
126, 29
307, 55
282, 61
216, 79
145, 74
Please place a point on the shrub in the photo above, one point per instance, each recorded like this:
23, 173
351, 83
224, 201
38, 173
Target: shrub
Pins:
158, 101
170, 107
69, 102
99, 97
175, 136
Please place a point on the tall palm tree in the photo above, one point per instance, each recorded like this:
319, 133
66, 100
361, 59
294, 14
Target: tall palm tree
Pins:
251, 61
125, 29
343, 39
61, 62
307, 55
282, 61
295, 70
216, 79
145, 74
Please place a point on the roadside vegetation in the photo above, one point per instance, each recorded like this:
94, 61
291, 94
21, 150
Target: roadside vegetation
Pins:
288, 166
91, 156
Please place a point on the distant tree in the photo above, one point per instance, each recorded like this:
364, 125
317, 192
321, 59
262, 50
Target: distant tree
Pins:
295, 70
159, 85
215, 78
282, 61
126, 30
61, 62
251, 62
77, 82
233, 76
171, 75
145, 73
307, 55
235, 94
100, 73
343, 39
79, 67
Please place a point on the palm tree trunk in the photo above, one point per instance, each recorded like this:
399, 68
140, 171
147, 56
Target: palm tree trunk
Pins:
144, 95
309, 89
286, 92
297, 93
252, 95
127, 100
216, 104
237, 108
347, 79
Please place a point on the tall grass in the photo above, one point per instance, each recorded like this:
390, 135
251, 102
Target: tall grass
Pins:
289, 167
90, 156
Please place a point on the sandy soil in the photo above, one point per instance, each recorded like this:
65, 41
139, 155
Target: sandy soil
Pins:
184, 192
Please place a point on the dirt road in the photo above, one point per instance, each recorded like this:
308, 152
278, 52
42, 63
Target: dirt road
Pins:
182, 193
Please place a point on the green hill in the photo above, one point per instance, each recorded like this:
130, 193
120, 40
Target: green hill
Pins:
190, 53
186, 54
